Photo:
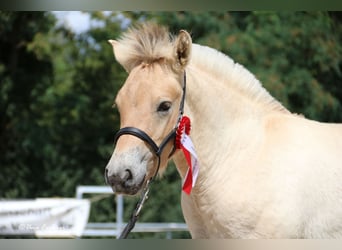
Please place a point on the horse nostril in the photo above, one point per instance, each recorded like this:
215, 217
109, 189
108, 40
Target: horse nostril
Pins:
128, 175
118, 179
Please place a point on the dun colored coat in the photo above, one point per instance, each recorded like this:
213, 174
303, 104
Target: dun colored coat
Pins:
264, 172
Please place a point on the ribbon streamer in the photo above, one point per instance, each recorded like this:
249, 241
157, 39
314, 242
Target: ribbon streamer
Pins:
184, 142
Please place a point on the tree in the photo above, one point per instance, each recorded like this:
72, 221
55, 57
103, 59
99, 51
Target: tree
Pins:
25, 71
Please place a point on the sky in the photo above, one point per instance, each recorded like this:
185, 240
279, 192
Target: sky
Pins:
80, 22
77, 21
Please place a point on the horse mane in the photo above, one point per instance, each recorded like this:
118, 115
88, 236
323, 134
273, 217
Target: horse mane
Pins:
233, 75
146, 43
149, 43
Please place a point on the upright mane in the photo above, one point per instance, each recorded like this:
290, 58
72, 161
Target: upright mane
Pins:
150, 43
146, 43
234, 75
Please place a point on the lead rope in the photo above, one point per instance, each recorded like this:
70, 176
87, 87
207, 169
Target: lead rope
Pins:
135, 215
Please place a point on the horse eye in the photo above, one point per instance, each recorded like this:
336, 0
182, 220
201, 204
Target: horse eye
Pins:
164, 107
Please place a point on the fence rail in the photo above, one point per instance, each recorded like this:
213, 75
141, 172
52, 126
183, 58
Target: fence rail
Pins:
113, 229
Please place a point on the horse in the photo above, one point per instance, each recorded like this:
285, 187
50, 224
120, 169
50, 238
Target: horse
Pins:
264, 172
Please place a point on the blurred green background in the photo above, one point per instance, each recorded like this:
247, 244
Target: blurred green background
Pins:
57, 88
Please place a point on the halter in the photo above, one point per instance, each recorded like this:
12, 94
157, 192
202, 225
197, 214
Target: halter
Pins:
157, 150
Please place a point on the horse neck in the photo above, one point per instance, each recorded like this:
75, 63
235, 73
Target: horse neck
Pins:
226, 124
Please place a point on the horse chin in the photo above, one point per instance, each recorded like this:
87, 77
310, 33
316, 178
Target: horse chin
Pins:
128, 189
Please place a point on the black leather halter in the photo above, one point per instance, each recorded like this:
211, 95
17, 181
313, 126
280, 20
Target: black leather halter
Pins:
157, 150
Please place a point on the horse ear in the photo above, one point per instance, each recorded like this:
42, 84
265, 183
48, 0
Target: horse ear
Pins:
183, 44
118, 54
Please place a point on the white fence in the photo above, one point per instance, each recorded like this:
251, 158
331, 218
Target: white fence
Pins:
113, 229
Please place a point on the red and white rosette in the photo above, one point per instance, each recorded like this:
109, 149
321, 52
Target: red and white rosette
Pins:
184, 142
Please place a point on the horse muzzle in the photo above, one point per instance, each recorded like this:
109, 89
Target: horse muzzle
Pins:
126, 171
123, 183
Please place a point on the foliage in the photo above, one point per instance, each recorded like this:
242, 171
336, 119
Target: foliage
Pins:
25, 73
57, 88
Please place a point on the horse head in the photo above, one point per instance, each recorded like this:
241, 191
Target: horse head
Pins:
149, 104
